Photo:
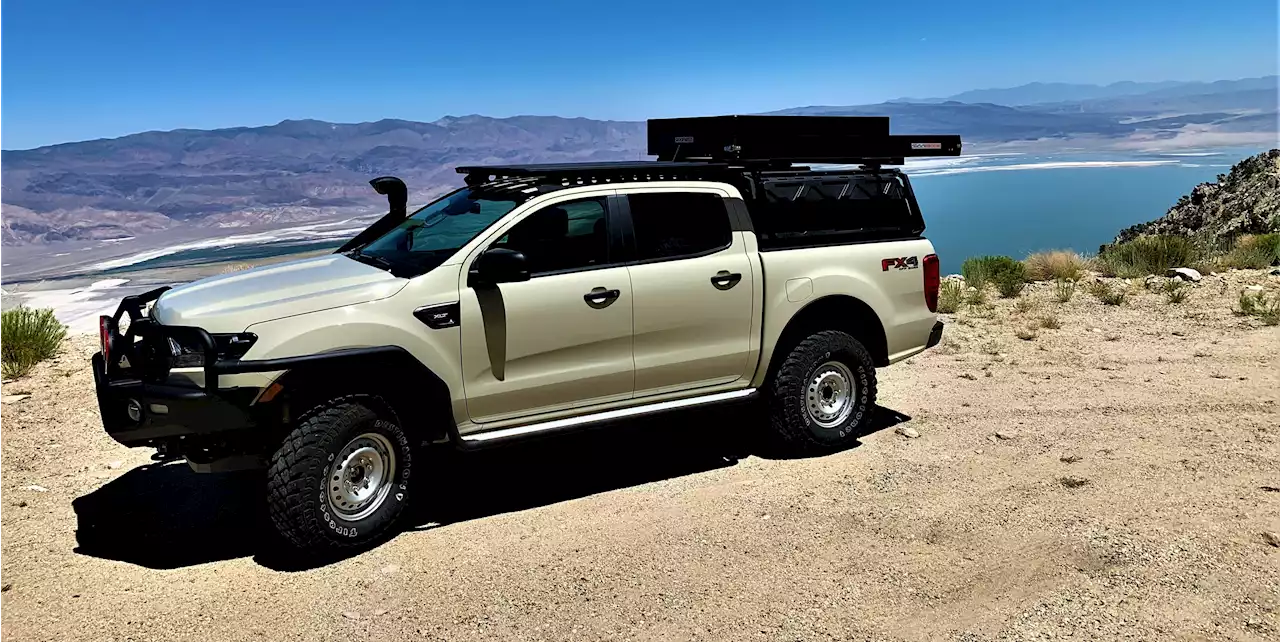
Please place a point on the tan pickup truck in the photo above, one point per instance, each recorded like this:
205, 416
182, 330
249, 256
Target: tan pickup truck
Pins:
539, 299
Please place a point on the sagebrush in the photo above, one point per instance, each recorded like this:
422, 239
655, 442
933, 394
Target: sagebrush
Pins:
27, 337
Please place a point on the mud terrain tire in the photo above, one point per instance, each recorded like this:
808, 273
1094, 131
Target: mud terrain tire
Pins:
822, 398
340, 479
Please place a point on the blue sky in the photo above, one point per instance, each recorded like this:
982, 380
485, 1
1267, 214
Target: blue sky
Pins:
75, 70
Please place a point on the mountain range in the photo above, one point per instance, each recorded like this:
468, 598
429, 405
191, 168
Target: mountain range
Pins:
308, 170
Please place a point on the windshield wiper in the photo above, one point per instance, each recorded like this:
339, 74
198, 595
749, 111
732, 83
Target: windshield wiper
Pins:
370, 259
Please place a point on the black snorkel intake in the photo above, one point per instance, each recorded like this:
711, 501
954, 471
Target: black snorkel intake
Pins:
397, 203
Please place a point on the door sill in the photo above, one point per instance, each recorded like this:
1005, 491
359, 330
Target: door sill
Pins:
493, 437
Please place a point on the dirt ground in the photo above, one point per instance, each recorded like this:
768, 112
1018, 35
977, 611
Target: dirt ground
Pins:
1112, 479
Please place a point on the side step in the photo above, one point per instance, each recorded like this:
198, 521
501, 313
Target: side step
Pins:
502, 435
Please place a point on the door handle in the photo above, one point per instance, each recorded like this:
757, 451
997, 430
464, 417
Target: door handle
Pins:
601, 298
723, 280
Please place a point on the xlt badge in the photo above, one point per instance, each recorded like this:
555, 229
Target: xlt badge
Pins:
438, 317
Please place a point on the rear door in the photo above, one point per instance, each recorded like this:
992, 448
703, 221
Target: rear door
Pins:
692, 284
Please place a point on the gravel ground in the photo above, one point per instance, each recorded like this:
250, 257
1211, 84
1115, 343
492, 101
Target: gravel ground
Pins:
1113, 479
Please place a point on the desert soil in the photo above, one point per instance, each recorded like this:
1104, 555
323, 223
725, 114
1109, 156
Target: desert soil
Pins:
1113, 479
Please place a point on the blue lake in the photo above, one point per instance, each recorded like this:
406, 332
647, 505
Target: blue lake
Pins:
1019, 212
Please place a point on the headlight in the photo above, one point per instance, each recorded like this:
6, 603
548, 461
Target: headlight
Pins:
230, 346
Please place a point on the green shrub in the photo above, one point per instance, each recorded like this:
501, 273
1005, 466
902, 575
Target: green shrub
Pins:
980, 270
1253, 251
1010, 284
1148, 255
1050, 322
950, 296
1005, 273
1063, 290
28, 337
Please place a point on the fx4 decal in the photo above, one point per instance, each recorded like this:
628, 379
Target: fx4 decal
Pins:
904, 263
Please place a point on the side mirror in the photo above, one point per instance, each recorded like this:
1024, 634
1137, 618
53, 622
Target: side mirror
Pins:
498, 265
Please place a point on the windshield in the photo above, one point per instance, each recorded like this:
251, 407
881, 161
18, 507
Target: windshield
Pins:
429, 236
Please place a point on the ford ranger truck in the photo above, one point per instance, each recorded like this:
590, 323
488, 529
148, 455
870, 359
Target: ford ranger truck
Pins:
760, 259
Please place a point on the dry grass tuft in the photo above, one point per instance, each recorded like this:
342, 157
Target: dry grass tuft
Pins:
1175, 291
1064, 289
1258, 304
950, 296
1055, 264
1107, 294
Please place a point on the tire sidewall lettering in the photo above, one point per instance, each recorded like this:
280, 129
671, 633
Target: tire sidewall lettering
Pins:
399, 492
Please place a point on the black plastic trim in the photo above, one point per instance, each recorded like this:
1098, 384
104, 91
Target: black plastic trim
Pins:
835, 243
440, 316
739, 215
935, 335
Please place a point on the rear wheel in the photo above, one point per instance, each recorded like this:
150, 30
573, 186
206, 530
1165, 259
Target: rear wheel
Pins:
823, 395
341, 477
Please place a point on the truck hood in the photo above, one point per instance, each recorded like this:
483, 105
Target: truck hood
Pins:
233, 302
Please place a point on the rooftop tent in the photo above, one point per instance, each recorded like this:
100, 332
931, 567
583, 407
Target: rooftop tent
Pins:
791, 139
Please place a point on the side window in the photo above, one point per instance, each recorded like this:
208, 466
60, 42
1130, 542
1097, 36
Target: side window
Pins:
672, 225
564, 236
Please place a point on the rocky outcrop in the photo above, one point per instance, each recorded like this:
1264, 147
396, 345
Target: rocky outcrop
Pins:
1244, 201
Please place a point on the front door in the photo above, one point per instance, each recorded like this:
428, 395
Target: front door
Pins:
692, 280
560, 340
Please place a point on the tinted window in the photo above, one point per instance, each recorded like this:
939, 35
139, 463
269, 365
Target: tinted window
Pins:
672, 225
564, 236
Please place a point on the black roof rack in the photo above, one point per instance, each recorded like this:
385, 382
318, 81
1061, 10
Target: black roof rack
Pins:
693, 148
607, 172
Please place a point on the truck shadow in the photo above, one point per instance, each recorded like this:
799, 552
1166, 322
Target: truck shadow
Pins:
164, 516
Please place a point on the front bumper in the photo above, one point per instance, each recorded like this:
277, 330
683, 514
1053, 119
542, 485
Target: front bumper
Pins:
136, 413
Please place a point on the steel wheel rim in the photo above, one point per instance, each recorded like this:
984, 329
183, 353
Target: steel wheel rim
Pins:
829, 395
359, 478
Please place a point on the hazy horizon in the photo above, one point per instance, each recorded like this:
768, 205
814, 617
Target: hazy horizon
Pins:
160, 67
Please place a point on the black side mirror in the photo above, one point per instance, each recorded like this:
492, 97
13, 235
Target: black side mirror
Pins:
498, 265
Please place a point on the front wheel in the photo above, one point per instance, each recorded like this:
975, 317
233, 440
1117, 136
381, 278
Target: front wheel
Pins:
341, 477
823, 395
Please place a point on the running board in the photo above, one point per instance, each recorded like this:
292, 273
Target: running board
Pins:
492, 437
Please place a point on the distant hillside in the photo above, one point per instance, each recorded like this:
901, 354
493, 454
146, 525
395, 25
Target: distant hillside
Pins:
1244, 201
1040, 92
290, 172
301, 171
